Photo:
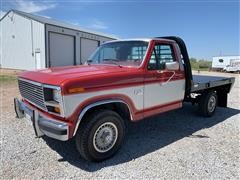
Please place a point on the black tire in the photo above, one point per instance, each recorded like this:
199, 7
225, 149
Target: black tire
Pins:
206, 105
89, 130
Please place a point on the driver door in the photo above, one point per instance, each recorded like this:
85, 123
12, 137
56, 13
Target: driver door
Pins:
163, 88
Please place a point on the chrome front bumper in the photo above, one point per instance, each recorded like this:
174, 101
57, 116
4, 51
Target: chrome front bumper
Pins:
42, 125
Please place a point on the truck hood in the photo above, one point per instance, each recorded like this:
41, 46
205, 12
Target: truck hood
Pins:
57, 75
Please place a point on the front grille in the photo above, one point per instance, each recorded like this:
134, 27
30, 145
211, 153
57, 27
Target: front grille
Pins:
33, 92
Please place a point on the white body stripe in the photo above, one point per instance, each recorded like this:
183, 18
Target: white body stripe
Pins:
162, 93
142, 96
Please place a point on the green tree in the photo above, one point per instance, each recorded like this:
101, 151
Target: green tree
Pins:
200, 64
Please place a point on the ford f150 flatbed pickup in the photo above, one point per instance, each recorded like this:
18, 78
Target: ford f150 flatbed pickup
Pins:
124, 80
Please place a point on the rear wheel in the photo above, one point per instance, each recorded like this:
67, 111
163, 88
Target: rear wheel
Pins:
208, 103
100, 135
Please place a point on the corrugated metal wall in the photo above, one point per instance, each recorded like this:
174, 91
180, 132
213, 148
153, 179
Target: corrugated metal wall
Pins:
1, 43
79, 39
23, 42
39, 43
21, 37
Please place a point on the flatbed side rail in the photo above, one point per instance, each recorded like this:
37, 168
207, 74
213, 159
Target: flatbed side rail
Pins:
212, 84
222, 87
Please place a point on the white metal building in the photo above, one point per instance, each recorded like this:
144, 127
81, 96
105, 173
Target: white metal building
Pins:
221, 62
32, 42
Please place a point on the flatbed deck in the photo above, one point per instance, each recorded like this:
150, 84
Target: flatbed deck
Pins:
202, 82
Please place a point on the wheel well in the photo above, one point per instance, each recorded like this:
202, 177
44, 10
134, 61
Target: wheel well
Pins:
121, 108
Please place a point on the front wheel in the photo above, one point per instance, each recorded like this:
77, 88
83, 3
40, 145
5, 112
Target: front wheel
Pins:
208, 103
100, 135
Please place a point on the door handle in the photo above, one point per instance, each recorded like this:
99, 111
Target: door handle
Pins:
160, 71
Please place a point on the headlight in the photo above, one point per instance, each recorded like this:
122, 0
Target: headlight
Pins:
57, 95
53, 99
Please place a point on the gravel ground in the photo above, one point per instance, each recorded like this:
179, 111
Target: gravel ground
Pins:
174, 145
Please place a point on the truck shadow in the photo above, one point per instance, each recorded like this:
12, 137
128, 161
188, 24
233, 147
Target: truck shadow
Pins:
147, 136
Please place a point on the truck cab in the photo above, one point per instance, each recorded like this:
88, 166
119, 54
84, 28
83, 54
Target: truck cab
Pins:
123, 80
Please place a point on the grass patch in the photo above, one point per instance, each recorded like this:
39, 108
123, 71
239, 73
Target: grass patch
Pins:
200, 69
8, 78
200, 65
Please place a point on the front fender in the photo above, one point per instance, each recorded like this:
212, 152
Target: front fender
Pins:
98, 103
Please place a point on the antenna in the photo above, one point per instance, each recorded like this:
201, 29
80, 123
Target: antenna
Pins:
220, 53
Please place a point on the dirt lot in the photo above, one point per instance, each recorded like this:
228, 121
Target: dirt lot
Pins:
177, 144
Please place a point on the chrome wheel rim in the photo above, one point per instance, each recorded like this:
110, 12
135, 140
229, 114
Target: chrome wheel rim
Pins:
211, 104
105, 137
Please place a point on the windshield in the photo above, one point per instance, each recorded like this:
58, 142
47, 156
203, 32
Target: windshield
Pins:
124, 53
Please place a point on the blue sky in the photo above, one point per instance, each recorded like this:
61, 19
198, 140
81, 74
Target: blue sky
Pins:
210, 28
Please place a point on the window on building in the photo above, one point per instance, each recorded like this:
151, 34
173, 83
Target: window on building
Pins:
220, 60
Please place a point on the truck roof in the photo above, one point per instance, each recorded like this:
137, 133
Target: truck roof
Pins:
140, 39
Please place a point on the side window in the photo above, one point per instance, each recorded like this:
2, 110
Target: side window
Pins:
161, 54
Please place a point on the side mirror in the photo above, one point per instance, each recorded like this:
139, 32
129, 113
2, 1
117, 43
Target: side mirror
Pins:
172, 66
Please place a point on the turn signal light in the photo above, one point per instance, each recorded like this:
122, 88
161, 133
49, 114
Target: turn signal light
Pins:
57, 110
76, 90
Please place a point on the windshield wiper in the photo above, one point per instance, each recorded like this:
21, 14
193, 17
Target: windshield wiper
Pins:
89, 61
114, 61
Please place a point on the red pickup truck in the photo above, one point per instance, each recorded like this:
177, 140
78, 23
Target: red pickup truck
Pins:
124, 80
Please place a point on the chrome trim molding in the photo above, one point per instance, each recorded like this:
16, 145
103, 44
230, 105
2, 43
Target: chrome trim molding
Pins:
43, 125
61, 104
98, 104
56, 124
51, 86
29, 81
39, 133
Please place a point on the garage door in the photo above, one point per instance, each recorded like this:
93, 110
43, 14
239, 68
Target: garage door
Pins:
88, 46
61, 49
